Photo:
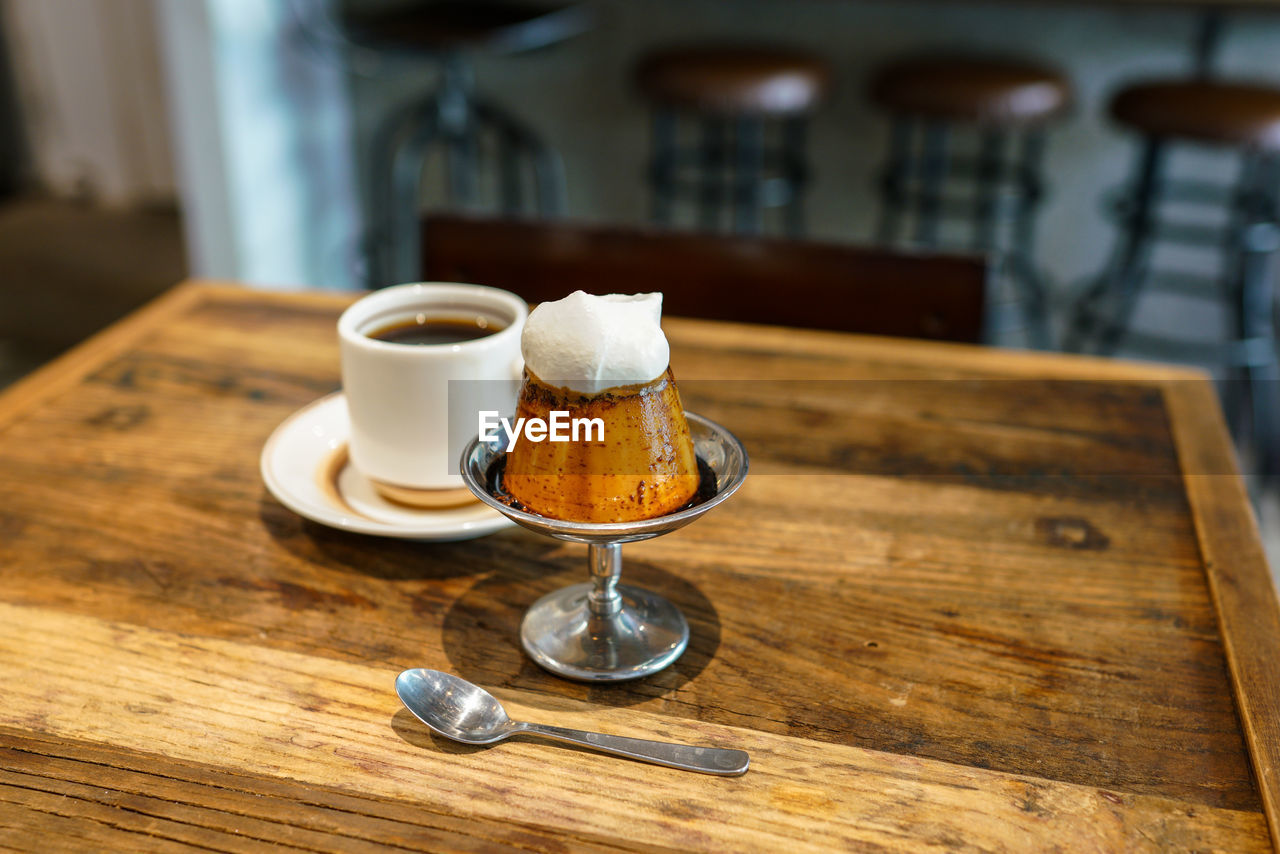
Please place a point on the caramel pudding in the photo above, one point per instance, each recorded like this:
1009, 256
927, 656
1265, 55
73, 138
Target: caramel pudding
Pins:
643, 468
641, 463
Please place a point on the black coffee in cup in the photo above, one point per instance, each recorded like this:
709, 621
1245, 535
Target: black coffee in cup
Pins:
422, 329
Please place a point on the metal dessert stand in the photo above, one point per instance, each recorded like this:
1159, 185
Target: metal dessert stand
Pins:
603, 631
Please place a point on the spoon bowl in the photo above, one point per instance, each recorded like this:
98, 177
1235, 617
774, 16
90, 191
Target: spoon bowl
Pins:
453, 707
457, 709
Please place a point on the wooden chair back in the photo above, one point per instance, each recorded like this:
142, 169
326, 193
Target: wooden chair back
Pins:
747, 279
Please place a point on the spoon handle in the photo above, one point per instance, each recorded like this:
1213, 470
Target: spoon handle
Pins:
707, 760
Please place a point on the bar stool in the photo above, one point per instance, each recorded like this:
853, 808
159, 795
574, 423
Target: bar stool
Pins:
746, 109
1006, 105
473, 132
1239, 117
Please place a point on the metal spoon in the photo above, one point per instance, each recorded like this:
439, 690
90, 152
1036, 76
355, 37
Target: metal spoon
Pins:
464, 712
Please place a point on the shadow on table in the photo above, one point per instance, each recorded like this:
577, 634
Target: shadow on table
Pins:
481, 632
416, 733
389, 558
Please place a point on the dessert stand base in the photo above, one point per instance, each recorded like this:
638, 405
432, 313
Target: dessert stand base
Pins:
578, 636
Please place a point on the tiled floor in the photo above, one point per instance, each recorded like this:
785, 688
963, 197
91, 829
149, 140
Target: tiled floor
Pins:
67, 270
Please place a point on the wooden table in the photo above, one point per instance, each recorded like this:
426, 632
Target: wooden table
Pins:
967, 600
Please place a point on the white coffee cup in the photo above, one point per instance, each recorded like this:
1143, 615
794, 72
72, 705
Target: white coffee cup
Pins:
407, 428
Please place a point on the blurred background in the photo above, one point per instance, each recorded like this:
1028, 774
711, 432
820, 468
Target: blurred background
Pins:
144, 141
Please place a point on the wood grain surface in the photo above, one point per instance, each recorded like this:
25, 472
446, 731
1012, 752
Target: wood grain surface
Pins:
967, 600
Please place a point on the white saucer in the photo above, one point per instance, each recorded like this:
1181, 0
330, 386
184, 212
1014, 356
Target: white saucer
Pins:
304, 465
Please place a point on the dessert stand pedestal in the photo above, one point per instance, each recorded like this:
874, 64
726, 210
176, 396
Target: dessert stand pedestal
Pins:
602, 631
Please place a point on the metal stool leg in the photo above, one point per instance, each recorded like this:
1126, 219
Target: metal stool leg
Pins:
1257, 239
893, 181
391, 178
1261, 368
662, 166
548, 171
987, 181
712, 161
988, 178
402, 212
459, 131
915, 180
1243, 211
730, 171
933, 171
509, 173
1120, 284
1031, 296
748, 149
796, 172
455, 118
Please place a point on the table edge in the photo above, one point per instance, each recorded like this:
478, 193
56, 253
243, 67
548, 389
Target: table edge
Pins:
68, 368
1239, 577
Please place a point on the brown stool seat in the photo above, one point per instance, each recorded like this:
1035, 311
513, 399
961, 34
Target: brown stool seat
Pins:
734, 80
971, 90
1209, 111
438, 26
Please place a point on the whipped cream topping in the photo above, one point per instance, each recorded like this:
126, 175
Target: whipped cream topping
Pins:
591, 343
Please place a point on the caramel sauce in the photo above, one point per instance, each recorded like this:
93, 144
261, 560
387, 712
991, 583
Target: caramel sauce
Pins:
493, 484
